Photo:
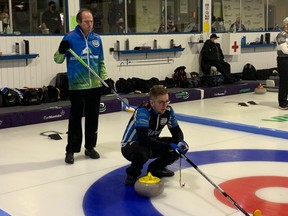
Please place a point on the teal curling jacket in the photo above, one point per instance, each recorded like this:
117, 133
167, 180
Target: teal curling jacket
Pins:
90, 49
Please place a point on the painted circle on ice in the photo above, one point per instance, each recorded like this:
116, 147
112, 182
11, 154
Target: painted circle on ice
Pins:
243, 191
109, 194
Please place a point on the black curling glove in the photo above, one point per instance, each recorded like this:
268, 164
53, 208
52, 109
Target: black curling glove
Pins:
64, 46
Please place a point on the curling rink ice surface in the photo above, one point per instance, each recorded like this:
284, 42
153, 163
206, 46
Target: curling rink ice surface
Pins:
252, 168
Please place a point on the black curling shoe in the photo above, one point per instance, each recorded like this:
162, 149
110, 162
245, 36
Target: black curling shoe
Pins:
69, 159
92, 153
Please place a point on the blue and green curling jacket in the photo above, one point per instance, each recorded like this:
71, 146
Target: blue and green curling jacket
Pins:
90, 49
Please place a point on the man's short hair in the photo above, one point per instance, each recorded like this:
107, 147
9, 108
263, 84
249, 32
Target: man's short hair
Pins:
51, 3
157, 90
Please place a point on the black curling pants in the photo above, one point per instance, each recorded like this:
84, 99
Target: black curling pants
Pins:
139, 155
85, 102
282, 64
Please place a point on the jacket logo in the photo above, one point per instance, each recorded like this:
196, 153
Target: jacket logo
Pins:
95, 43
163, 121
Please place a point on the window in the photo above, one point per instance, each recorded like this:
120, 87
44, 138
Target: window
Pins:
247, 15
144, 16
26, 17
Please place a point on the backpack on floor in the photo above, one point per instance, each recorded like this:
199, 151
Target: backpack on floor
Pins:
62, 85
249, 72
31, 96
50, 94
9, 97
180, 77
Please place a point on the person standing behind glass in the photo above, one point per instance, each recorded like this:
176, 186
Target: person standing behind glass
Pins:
4, 17
282, 65
84, 87
51, 19
119, 26
97, 15
21, 18
115, 10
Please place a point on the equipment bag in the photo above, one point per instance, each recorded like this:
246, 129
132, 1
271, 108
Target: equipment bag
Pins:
50, 94
9, 97
180, 77
249, 72
31, 96
62, 85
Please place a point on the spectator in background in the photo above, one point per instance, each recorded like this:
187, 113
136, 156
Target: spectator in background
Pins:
237, 26
97, 16
218, 25
22, 18
51, 19
170, 25
115, 10
119, 26
212, 55
4, 17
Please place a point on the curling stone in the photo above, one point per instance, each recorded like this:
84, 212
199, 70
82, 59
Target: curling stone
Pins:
260, 89
149, 186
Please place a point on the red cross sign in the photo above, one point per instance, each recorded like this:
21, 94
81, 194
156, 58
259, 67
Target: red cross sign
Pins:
235, 46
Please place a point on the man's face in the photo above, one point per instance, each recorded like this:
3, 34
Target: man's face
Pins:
160, 103
213, 39
170, 22
121, 22
87, 22
52, 7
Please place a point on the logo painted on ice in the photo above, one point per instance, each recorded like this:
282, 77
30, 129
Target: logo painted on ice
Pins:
184, 95
283, 118
244, 90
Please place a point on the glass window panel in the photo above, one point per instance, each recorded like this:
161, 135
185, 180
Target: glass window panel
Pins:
4, 15
277, 11
26, 17
253, 15
50, 17
109, 16
146, 16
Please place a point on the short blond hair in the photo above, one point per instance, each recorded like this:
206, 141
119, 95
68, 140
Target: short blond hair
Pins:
157, 90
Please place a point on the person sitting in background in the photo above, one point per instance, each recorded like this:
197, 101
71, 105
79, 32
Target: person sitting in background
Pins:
170, 25
237, 26
51, 19
212, 55
218, 25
